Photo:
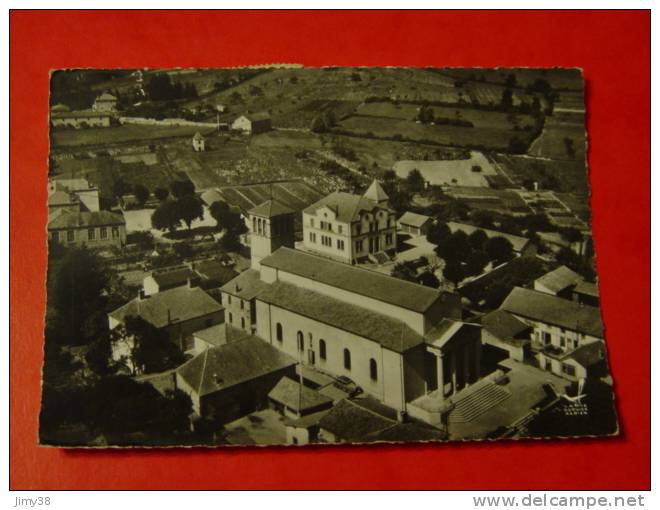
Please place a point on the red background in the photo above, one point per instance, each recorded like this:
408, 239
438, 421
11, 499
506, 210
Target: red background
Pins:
613, 48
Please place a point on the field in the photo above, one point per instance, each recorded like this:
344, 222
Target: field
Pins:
570, 176
117, 135
452, 172
295, 194
458, 136
552, 143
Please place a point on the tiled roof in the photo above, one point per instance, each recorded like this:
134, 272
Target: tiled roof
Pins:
376, 192
214, 270
221, 367
346, 206
519, 243
445, 330
106, 96
289, 393
173, 276
587, 288
388, 289
350, 422
62, 198
258, 116
413, 219
553, 310
69, 220
169, 306
246, 285
391, 333
270, 209
589, 354
559, 279
504, 325
220, 334
406, 432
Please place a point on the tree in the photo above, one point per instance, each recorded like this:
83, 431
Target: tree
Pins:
482, 218
220, 211
438, 233
516, 145
404, 271
477, 239
151, 349
166, 216
415, 181
453, 272
499, 250
510, 81
181, 189
425, 114
428, 279
76, 288
571, 234
141, 193
507, 99
161, 193
119, 188
456, 247
99, 356
476, 262
190, 208
570, 147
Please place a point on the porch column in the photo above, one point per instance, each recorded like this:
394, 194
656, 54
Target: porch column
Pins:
453, 371
440, 374
477, 360
466, 364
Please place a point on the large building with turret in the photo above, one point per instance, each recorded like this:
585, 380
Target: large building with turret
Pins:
351, 228
399, 341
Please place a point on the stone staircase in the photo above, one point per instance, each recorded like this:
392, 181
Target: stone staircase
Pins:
471, 406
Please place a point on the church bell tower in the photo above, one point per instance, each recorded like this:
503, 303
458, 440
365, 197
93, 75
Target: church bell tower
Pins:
271, 227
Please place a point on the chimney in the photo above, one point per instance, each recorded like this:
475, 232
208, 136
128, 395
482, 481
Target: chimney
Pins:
141, 295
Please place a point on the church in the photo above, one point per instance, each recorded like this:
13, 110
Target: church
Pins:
397, 340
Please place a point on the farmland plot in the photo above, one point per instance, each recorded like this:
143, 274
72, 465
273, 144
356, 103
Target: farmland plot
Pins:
117, 134
556, 139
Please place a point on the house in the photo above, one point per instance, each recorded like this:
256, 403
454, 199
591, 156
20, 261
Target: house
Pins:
521, 245
213, 273
72, 194
198, 142
98, 229
169, 278
304, 430
561, 327
504, 331
397, 340
558, 282
349, 422
179, 312
555, 242
415, 224
586, 361
62, 116
586, 293
351, 228
215, 336
233, 380
252, 123
106, 102
295, 400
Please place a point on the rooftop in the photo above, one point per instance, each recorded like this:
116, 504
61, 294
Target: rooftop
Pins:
445, 330
77, 114
169, 306
173, 276
376, 192
247, 285
519, 243
414, 219
198, 136
60, 197
288, 392
504, 325
554, 310
353, 423
221, 367
106, 96
559, 279
587, 288
220, 334
258, 116
372, 284
391, 333
346, 206
214, 270
68, 219
270, 209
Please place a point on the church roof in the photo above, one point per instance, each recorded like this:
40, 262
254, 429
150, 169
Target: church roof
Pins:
365, 282
376, 192
270, 209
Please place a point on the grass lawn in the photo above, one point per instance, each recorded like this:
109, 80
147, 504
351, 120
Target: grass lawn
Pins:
551, 143
117, 134
458, 172
381, 127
